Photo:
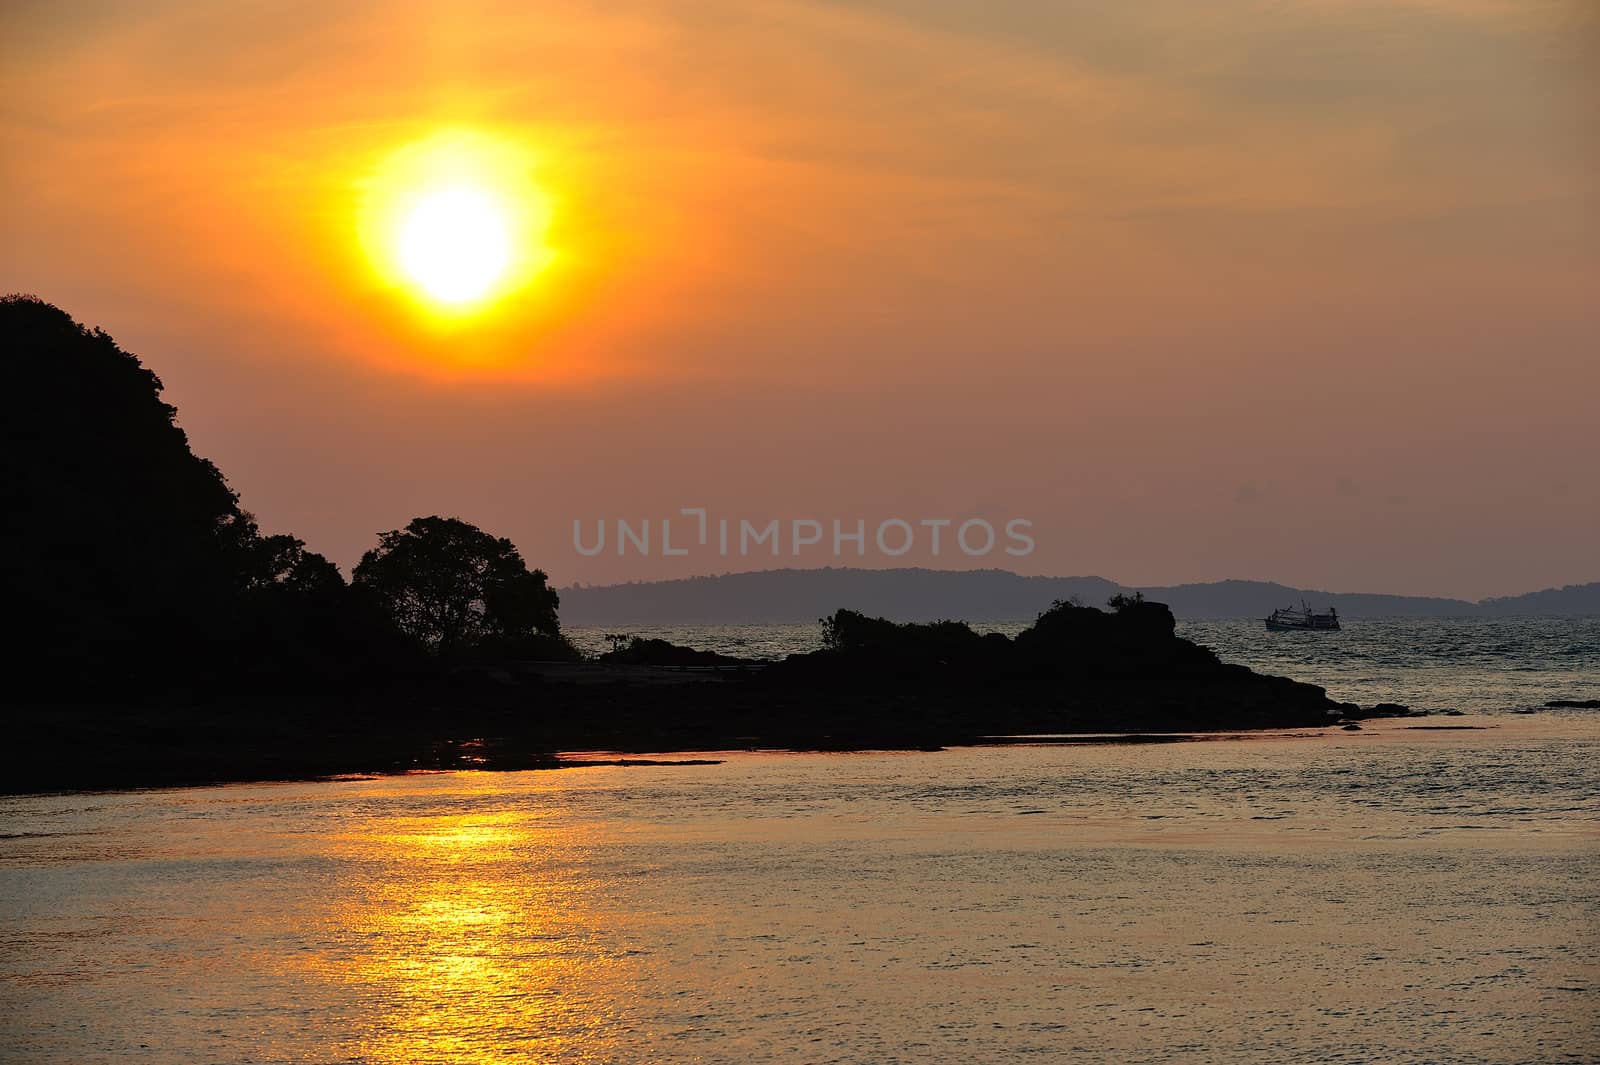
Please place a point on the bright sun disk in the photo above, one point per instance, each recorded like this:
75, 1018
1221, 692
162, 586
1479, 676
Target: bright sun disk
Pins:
455, 243
455, 223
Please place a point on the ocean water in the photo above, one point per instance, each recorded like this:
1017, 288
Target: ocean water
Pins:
1482, 665
1397, 894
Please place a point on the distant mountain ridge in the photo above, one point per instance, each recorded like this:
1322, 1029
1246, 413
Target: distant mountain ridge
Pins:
802, 595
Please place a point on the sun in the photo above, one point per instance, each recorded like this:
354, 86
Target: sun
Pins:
456, 221
455, 244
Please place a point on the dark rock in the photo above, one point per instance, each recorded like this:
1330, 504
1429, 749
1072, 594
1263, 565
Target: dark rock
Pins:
1352, 727
1574, 704
653, 652
1380, 710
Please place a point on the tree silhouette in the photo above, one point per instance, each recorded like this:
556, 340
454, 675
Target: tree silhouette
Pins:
453, 586
125, 552
127, 557
282, 561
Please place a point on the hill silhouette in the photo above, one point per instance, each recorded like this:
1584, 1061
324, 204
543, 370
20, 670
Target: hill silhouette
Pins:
786, 596
1572, 600
126, 556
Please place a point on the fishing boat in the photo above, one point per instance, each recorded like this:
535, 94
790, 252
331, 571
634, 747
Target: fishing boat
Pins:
1304, 619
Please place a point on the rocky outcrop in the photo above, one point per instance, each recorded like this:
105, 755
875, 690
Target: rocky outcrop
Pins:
1076, 669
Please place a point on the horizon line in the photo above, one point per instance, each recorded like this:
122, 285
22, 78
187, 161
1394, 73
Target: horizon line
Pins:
579, 586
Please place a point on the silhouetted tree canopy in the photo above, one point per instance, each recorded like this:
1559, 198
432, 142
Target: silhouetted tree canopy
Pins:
114, 531
453, 586
125, 558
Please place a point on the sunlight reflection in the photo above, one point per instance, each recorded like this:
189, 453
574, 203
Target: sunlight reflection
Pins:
476, 940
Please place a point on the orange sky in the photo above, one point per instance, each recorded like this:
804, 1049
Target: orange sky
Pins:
1238, 289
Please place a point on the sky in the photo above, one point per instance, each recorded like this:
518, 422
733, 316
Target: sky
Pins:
1306, 292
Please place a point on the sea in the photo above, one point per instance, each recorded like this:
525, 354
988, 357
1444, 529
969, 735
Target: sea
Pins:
1417, 890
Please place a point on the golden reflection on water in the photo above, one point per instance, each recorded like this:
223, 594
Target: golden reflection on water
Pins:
472, 937
1359, 896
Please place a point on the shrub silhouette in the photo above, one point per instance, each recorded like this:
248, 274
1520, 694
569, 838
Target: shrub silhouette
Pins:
851, 632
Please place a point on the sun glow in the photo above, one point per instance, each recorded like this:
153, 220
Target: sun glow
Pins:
457, 221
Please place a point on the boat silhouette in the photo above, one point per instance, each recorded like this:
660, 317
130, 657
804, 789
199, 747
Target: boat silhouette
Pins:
1289, 619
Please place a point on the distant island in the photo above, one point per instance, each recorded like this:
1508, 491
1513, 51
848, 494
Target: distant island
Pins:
782, 596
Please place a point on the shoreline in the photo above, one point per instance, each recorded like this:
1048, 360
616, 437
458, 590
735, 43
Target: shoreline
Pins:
475, 756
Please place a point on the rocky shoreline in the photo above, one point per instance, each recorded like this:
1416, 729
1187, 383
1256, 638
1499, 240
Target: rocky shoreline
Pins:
878, 685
